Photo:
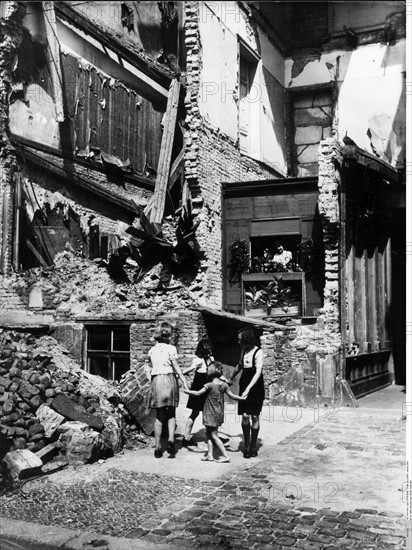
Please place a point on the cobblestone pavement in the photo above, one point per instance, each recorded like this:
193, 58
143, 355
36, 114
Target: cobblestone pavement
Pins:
336, 483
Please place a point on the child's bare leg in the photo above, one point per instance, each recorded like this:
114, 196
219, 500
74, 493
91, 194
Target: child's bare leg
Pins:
189, 424
218, 442
209, 444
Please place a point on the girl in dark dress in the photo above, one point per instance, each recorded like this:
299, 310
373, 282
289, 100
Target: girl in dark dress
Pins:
252, 387
213, 409
203, 358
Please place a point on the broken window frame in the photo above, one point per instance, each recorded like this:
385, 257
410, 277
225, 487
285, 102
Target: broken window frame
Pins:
109, 353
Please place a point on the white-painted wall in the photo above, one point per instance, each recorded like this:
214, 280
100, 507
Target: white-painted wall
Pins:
220, 25
35, 118
371, 87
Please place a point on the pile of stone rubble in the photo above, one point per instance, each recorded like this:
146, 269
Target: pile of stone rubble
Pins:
48, 402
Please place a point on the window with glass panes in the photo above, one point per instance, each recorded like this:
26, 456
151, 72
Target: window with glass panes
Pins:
108, 350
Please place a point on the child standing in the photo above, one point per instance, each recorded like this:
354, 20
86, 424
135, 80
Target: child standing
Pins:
164, 394
213, 409
202, 359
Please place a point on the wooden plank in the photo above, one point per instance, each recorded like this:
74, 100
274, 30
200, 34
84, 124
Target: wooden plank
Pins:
380, 298
163, 168
371, 304
16, 221
388, 290
281, 226
241, 318
30, 246
53, 55
360, 303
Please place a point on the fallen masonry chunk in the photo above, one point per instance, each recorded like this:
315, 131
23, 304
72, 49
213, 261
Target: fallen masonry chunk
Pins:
80, 443
22, 463
50, 419
69, 409
135, 390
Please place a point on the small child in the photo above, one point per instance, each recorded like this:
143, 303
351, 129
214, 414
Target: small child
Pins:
213, 409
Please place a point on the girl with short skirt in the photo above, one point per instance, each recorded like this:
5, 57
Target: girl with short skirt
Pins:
164, 391
251, 386
203, 358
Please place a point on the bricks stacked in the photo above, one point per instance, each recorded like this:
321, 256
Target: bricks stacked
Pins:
135, 389
30, 380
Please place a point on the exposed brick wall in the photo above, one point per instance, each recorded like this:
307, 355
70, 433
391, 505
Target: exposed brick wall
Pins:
10, 39
188, 329
329, 181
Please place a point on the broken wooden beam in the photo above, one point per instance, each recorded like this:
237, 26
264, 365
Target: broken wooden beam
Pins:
36, 253
163, 168
53, 58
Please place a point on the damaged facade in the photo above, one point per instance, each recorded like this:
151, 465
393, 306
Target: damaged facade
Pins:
139, 141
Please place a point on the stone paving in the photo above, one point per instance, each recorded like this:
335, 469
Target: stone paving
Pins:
336, 483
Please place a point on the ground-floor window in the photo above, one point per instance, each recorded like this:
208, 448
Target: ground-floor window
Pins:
108, 350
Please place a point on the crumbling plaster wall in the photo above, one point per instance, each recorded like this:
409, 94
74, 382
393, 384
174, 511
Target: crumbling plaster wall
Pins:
212, 155
220, 25
369, 78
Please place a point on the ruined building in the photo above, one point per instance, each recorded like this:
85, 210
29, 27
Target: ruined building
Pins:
153, 152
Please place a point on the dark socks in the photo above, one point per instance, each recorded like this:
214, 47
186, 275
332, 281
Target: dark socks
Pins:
253, 441
246, 434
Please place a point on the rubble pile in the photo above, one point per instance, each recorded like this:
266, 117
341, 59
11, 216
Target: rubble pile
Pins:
75, 285
45, 397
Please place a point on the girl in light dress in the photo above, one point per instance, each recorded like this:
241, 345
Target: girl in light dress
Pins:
164, 392
213, 409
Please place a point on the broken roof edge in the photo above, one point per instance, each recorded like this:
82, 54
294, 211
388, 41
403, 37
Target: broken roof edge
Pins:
266, 185
131, 177
161, 74
242, 319
353, 153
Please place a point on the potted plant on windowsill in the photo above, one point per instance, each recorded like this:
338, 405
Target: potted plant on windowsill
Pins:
253, 302
277, 298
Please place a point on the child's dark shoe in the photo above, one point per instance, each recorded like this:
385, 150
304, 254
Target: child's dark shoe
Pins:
246, 453
171, 448
253, 452
158, 453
